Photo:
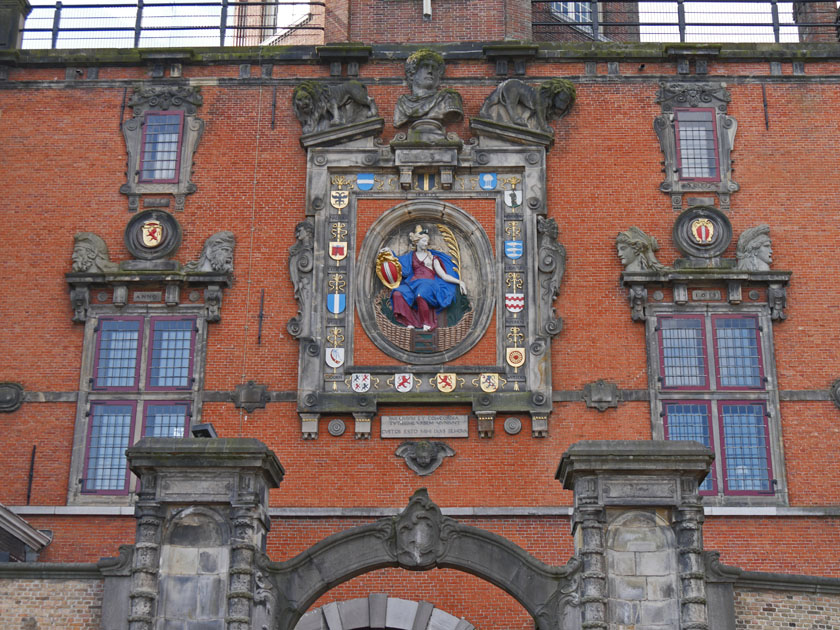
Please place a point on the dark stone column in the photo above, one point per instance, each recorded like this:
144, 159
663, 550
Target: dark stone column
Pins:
12, 15
637, 525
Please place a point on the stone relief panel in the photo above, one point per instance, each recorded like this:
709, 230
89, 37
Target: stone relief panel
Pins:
430, 250
425, 291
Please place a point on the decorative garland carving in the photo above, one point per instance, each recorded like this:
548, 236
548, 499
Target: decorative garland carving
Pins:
552, 266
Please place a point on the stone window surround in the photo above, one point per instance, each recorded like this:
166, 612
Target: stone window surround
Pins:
141, 395
679, 138
768, 396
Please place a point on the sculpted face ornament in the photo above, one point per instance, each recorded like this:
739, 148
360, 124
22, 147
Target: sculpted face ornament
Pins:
424, 69
754, 251
217, 254
90, 253
636, 250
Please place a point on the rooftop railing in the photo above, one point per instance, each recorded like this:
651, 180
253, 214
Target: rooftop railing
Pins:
155, 24
151, 23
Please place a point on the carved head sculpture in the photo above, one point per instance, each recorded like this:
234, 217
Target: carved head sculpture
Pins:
636, 250
217, 254
90, 253
305, 232
424, 70
417, 532
558, 95
419, 234
754, 251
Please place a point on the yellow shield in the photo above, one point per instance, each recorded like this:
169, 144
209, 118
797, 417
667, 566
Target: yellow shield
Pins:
446, 381
703, 230
152, 233
489, 382
515, 357
388, 269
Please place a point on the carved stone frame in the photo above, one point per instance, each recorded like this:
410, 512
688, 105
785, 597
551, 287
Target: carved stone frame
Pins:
169, 99
420, 211
677, 95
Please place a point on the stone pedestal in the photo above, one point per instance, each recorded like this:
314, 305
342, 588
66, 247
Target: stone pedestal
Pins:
202, 516
637, 525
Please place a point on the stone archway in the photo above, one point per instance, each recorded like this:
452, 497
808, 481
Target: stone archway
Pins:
380, 611
418, 539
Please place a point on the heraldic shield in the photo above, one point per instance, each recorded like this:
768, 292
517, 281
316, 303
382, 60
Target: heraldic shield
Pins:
426, 282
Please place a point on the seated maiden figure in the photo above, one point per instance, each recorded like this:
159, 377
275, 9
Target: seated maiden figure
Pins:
428, 283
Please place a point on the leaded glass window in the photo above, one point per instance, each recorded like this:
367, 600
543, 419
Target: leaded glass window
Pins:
171, 353
697, 144
746, 450
683, 352
110, 431
165, 420
691, 421
161, 146
737, 351
117, 353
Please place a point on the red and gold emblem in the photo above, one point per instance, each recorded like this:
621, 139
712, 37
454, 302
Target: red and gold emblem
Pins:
703, 230
152, 233
515, 357
446, 381
388, 269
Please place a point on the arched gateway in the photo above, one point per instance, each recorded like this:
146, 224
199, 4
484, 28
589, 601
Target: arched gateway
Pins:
418, 539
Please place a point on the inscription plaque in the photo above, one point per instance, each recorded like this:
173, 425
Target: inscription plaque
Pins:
424, 426
701, 295
148, 296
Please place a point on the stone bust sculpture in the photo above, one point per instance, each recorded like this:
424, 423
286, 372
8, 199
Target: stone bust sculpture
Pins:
636, 251
424, 69
754, 251
90, 253
217, 254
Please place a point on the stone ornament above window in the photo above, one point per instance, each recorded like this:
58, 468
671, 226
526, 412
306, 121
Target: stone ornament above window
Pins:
160, 141
702, 233
152, 276
333, 113
696, 137
427, 101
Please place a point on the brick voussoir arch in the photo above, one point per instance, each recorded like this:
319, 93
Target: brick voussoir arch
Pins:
418, 539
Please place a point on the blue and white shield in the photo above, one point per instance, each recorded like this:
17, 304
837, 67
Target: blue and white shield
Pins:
487, 181
336, 302
364, 181
513, 249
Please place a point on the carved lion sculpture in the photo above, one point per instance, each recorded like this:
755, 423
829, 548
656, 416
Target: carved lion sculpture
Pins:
516, 103
319, 106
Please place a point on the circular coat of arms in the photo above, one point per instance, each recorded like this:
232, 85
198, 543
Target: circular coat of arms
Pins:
426, 289
702, 232
152, 234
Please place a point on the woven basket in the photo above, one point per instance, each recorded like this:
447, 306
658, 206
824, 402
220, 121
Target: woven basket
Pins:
403, 337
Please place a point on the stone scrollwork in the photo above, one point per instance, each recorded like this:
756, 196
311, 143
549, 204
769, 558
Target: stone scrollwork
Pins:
301, 260
552, 266
321, 106
681, 95
516, 103
424, 457
420, 533
216, 255
154, 99
777, 299
638, 297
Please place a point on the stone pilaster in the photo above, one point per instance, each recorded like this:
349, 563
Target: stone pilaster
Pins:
203, 501
637, 525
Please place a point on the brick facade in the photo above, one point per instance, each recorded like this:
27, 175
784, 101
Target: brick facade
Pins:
38, 604
61, 167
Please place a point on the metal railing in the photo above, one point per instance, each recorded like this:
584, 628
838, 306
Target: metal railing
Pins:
152, 24
692, 21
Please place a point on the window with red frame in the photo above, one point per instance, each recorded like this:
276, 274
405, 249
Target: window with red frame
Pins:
697, 144
149, 362
712, 389
160, 157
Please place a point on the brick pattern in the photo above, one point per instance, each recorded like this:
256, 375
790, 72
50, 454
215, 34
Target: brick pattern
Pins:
50, 604
771, 610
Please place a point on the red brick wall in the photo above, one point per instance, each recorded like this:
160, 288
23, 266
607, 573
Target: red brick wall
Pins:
63, 161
